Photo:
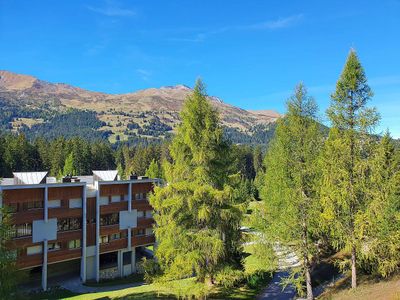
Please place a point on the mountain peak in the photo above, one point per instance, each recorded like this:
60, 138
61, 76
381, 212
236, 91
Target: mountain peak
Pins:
14, 81
176, 87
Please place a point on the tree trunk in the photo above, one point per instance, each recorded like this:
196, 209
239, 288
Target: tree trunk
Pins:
310, 295
353, 268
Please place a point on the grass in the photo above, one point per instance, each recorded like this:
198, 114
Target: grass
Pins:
53, 293
368, 289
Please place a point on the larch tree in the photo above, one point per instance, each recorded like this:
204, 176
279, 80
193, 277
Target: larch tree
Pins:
344, 163
8, 269
290, 205
380, 223
69, 168
154, 170
197, 218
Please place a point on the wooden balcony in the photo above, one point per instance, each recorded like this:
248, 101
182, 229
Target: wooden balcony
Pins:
143, 240
145, 222
114, 245
141, 205
64, 212
113, 207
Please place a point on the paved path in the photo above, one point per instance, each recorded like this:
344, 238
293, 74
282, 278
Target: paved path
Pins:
274, 289
286, 260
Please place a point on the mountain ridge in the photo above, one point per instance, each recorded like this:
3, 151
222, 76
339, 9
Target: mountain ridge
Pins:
140, 106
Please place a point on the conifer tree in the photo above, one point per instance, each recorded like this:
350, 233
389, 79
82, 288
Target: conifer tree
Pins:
8, 275
289, 193
69, 165
344, 162
197, 219
380, 223
154, 170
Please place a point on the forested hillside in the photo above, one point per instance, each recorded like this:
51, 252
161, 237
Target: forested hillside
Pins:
39, 108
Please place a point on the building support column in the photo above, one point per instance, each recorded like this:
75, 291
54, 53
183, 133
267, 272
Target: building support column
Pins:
98, 233
120, 264
44, 268
84, 232
130, 210
45, 243
133, 260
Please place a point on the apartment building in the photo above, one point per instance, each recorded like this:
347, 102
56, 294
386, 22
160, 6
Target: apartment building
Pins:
96, 223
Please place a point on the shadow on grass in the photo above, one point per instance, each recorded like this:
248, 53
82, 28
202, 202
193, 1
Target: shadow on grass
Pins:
144, 296
52, 294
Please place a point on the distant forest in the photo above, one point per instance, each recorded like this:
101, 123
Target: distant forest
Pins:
19, 154
85, 124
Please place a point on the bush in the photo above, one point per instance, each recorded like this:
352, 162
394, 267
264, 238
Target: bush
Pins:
150, 268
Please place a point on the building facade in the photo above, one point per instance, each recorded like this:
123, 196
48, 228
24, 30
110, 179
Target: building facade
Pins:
95, 225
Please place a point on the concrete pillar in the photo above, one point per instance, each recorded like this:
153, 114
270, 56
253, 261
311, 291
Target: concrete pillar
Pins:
98, 233
44, 268
133, 260
45, 243
84, 232
130, 210
46, 204
129, 238
120, 264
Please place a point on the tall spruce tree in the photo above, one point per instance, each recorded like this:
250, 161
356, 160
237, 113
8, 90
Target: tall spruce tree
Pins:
345, 158
289, 193
380, 223
197, 219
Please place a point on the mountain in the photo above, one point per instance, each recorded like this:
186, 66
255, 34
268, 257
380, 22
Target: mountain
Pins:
32, 104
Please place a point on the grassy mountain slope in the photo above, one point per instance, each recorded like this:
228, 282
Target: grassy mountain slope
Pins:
27, 102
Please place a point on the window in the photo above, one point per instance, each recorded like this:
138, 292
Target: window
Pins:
115, 236
32, 205
124, 197
103, 200
115, 198
34, 250
104, 239
140, 232
75, 203
54, 203
149, 231
21, 230
53, 246
110, 219
74, 244
149, 214
127, 258
139, 196
69, 224
140, 214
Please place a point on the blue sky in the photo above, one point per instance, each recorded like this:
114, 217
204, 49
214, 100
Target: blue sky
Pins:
250, 53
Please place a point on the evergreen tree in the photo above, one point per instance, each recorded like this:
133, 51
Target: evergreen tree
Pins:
69, 165
197, 219
8, 275
290, 204
345, 159
154, 170
380, 223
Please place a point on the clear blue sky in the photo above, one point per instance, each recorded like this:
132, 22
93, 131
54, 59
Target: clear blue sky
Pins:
250, 53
